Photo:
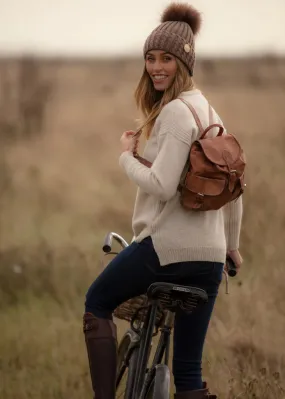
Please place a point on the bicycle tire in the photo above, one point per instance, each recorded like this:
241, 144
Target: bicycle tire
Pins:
127, 360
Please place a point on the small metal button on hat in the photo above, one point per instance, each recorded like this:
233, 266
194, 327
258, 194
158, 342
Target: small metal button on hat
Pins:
187, 48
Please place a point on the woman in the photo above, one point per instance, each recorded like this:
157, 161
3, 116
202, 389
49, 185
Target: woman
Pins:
170, 244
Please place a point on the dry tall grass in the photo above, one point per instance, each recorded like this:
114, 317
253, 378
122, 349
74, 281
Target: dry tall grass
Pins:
61, 191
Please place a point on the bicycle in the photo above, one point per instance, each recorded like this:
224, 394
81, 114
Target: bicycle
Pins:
150, 315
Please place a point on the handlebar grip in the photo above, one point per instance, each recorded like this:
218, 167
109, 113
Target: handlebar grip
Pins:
232, 269
107, 247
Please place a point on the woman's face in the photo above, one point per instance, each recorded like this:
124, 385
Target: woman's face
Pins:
161, 67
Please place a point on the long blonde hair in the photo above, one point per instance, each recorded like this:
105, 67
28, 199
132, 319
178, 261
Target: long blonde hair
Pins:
150, 101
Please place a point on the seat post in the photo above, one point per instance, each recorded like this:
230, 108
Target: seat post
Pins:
169, 319
167, 328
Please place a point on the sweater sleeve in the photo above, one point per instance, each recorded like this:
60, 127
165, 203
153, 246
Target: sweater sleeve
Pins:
176, 128
232, 220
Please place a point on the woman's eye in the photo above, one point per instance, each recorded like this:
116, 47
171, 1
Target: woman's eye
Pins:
167, 58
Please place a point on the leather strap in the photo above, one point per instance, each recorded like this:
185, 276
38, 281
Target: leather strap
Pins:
142, 160
211, 115
197, 119
195, 115
221, 130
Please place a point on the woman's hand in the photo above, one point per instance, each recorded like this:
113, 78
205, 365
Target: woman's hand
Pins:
128, 142
236, 258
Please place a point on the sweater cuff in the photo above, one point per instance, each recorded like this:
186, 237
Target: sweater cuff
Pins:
124, 158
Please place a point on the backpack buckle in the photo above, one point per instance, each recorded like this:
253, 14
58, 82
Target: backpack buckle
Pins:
199, 201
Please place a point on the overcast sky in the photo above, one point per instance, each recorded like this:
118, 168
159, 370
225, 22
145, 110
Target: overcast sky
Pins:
111, 27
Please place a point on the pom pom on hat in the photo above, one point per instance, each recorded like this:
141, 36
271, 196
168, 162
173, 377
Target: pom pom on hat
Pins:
183, 12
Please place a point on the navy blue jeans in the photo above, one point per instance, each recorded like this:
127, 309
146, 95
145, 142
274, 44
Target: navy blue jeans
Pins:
131, 272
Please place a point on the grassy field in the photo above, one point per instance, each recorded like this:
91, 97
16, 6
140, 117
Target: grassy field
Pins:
61, 190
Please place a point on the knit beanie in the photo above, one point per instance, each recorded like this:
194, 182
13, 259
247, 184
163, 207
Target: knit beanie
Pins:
180, 22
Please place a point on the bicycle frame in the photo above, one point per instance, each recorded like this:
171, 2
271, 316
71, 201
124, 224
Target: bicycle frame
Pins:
144, 378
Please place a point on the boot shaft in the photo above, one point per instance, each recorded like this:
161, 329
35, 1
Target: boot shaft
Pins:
101, 345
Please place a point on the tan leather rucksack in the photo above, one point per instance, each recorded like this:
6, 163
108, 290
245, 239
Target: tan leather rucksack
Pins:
215, 171
214, 174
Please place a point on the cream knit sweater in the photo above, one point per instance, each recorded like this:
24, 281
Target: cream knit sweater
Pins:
178, 235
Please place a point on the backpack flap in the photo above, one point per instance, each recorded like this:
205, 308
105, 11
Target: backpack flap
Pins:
224, 150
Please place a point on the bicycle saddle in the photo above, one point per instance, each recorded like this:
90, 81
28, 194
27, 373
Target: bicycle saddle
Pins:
174, 296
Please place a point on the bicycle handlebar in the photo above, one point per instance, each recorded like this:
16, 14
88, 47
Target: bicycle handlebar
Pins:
107, 247
232, 269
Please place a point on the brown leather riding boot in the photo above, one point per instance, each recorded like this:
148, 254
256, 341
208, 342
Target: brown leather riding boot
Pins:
101, 344
198, 394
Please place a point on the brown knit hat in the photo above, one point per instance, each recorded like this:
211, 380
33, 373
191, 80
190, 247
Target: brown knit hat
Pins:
180, 22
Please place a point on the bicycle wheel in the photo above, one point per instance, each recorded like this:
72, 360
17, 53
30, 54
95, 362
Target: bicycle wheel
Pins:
126, 368
161, 387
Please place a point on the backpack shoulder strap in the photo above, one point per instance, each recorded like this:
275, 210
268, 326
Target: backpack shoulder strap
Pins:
211, 115
195, 115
